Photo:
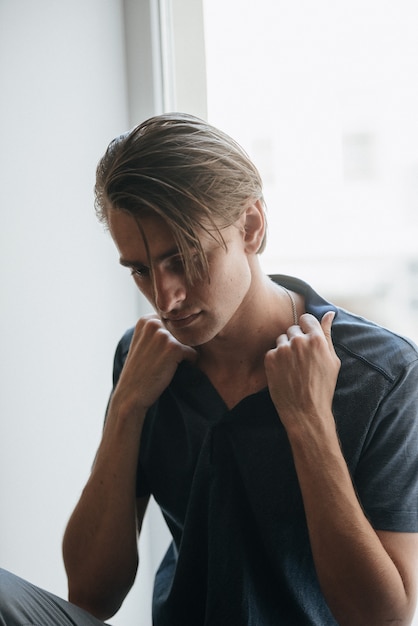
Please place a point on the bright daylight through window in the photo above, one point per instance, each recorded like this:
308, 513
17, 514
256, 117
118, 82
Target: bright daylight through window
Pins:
324, 97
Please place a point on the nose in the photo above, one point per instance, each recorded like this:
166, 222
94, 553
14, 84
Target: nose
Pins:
169, 290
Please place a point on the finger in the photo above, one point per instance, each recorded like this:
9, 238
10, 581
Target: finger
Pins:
308, 323
282, 340
294, 330
326, 324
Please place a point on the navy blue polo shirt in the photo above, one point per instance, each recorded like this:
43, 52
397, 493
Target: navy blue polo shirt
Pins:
227, 486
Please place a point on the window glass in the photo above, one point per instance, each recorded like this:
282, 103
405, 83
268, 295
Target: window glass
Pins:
324, 98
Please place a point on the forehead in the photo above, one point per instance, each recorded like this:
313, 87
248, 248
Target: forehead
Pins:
151, 239
138, 238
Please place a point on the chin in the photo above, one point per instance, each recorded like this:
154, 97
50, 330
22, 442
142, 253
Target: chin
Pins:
195, 339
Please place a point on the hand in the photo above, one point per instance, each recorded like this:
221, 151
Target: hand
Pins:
152, 360
302, 372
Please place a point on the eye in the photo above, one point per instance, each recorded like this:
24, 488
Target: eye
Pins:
140, 272
176, 264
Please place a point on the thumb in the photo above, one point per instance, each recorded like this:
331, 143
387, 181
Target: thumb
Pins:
189, 354
326, 323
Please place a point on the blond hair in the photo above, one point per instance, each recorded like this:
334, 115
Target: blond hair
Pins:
182, 169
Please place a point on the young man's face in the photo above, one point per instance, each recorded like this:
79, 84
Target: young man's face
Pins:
193, 314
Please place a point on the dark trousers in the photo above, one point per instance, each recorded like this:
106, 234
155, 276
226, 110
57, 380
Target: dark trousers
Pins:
23, 604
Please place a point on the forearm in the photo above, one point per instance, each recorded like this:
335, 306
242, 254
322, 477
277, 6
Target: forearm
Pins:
100, 542
358, 578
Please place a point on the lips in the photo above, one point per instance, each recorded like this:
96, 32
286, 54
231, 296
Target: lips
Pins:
181, 321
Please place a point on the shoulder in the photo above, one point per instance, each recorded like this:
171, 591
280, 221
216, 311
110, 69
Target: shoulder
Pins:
357, 339
125, 341
121, 353
372, 344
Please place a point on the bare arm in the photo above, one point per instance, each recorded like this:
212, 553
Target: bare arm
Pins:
367, 578
100, 542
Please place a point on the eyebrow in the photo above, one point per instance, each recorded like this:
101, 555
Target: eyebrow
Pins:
162, 257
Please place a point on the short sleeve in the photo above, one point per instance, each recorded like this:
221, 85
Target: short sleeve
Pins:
386, 477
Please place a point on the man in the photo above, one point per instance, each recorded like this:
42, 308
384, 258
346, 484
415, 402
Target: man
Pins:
283, 459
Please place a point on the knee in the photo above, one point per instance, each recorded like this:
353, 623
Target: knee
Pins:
12, 600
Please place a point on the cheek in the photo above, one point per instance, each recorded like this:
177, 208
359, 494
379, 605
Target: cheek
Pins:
234, 288
230, 280
145, 287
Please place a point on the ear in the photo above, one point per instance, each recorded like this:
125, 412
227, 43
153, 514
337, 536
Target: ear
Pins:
254, 227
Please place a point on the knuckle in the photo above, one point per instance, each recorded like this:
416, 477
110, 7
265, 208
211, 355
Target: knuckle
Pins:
151, 325
317, 340
298, 343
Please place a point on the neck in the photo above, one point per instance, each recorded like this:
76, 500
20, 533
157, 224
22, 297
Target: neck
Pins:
234, 360
266, 313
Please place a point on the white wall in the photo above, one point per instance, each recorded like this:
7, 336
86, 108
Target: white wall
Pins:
64, 299
72, 76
